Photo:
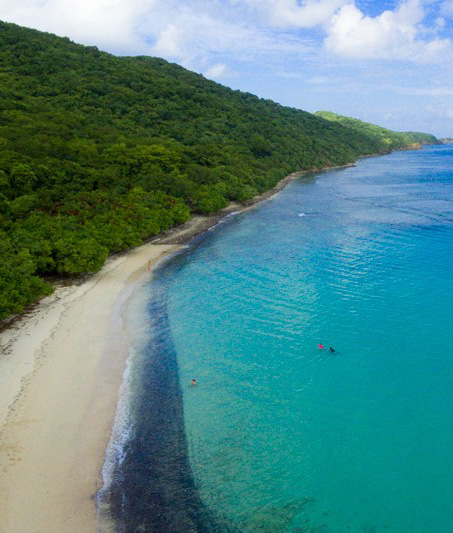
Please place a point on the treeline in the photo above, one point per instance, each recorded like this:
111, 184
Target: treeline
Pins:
99, 153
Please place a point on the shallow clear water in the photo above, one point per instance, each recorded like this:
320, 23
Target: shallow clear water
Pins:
282, 436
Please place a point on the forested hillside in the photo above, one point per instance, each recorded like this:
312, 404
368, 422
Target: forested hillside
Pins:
391, 139
98, 153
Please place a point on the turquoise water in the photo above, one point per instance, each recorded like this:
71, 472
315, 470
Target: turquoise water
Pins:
282, 436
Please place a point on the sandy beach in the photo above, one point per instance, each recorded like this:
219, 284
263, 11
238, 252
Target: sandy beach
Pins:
60, 371
61, 368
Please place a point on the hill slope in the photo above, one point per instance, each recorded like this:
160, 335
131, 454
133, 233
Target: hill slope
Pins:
98, 153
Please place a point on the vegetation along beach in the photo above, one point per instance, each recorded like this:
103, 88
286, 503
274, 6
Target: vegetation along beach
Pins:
177, 257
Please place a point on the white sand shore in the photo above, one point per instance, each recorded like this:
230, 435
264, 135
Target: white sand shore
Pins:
61, 369
60, 372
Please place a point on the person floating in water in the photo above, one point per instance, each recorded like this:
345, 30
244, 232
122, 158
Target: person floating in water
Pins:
321, 346
331, 349
193, 383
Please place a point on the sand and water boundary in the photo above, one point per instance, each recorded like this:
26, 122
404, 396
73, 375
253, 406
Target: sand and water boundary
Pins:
61, 369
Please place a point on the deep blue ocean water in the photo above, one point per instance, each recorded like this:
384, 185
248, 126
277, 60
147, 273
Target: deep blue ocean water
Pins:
279, 435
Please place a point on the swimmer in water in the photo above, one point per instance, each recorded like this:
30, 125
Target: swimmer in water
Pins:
321, 346
331, 349
193, 383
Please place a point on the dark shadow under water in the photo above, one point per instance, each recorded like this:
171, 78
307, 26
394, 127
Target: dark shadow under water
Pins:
153, 489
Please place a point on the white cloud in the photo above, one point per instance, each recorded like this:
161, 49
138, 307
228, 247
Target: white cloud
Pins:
219, 71
110, 24
168, 43
391, 35
200, 34
394, 34
198, 39
191, 32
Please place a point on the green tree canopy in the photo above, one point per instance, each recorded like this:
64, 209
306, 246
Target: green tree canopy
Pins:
99, 153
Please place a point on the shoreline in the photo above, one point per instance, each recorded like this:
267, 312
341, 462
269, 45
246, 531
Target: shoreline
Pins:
60, 372
198, 224
61, 369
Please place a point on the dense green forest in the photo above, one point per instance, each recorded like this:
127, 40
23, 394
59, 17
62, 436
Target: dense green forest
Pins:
99, 153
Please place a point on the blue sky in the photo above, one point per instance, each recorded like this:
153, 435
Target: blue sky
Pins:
387, 62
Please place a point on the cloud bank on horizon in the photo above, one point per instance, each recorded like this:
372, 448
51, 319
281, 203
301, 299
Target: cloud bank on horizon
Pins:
385, 61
